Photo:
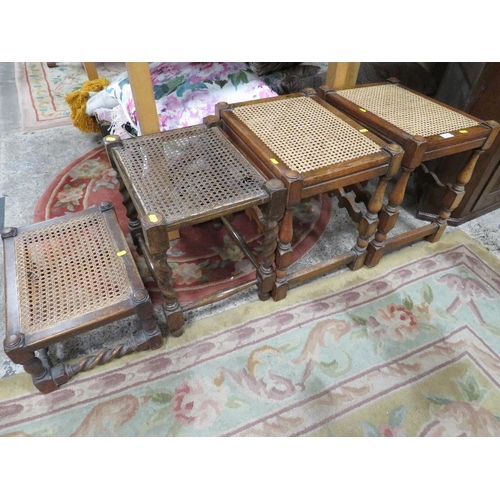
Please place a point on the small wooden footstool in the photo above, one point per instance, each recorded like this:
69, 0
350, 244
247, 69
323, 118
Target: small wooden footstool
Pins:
427, 129
313, 148
185, 177
64, 277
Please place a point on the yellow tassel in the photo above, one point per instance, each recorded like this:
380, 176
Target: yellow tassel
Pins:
78, 102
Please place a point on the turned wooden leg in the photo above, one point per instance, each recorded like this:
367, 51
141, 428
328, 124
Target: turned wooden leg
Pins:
111, 142
43, 356
135, 228
388, 217
456, 192
149, 336
134, 225
274, 212
454, 195
284, 255
14, 346
155, 250
127, 202
370, 222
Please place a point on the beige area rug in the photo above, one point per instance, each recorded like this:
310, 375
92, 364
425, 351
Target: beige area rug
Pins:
42, 90
408, 348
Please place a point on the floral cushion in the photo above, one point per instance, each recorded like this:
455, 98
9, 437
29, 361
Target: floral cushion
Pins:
187, 92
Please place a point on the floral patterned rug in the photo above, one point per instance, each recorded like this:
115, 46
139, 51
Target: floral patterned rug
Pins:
202, 260
408, 348
42, 90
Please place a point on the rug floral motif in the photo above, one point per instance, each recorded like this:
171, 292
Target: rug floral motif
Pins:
410, 351
42, 90
202, 259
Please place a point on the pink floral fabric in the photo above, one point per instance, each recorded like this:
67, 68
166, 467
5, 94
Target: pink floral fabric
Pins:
186, 92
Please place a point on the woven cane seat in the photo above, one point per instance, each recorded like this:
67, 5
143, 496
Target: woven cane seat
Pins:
68, 269
65, 277
407, 110
314, 149
184, 172
304, 134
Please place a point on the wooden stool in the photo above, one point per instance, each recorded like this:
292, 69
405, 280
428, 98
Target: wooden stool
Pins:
427, 129
313, 148
185, 177
64, 277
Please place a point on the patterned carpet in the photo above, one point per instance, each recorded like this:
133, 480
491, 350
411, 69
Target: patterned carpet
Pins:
42, 90
408, 348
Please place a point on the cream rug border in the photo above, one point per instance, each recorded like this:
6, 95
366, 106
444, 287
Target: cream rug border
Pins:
28, 114
20, 384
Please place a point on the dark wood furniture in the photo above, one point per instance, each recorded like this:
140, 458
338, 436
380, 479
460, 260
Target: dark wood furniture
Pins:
64, 277
427, 129
189, 176
475, 89
313, 148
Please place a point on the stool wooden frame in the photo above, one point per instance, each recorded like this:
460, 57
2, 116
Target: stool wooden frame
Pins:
56, 289
304, 179
155, 213
385, 117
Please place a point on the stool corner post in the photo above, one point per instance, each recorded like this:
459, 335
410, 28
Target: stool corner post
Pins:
396, 153
8, 232
111, 141
309, 92
276, 190
219, 107
394, 80
16, 350
106, 206
494, 131
211, 121
323, 90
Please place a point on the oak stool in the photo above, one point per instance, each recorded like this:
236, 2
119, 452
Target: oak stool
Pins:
313, 148
427, 129
185, 177
67, 276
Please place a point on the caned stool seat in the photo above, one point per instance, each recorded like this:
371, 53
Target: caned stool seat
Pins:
313, 148
67, 276
188, 176
427, 129
406, 110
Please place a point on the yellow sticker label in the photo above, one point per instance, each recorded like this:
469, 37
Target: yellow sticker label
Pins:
153, 218
363, 130
121, 253
110, 138
463, 131
363, 110
274, 160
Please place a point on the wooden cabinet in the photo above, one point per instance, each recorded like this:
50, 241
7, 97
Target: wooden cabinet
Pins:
475, 89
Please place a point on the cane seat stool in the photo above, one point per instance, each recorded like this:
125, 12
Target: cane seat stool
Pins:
313, 148
186, 177
67, 276
427, 129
